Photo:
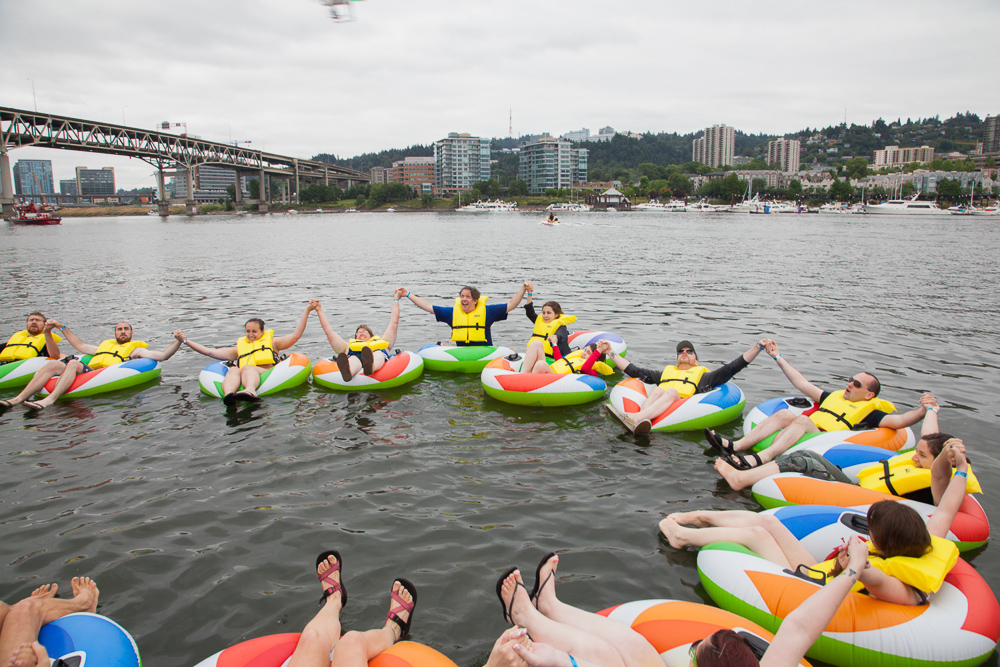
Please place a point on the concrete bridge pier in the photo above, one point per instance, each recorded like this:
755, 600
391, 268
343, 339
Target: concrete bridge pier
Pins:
189, 204
238, 191
262, 190
162, 202
6, 186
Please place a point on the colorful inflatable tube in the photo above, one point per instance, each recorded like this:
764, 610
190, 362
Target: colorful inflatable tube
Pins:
671, 626
290, 372
465, 359
96, 639
959, 626
400, 369
851, 458
708, 410
16, 374
502, 381
110, 378
582, 339
274, 651
971, 527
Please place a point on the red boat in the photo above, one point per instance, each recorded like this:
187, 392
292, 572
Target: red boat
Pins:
29, 214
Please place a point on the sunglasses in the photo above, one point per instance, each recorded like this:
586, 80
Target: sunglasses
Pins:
854, 382
686, 351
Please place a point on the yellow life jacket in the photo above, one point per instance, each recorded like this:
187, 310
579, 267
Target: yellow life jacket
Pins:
23, 345
109, 353
899, 477
258, 353
685, 382
545, 329
838, 414
573, 362
375, 343
471, 327
925, 573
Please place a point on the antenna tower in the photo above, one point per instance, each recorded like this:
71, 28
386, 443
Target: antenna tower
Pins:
511, 128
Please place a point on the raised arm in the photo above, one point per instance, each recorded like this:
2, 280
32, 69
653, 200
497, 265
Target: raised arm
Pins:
73, 339
802, 627
417, 301
393, 328
220, 353
930, 423
798, 380
940, 522
285, 342
515, 300
620, 362
759, 347
941, 468
160, 355
338, 344
51, 345
903, 420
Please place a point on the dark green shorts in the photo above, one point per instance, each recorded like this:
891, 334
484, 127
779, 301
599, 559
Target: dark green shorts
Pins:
811, 464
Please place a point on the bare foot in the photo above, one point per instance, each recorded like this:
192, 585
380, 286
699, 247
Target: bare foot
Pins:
29, 655
85, 593
695, 518
673, 532
521, 607
336, 597
730, 474
547, 593
45, 591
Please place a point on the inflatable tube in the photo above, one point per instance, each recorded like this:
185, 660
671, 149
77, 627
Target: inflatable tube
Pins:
708, 410
290, 372
400, 369
671, 626
582, 339
959, 626
275, 650
97, 639
760, 412
110, 378
16, 374
465, 359
503, 381
971, 527
852, 459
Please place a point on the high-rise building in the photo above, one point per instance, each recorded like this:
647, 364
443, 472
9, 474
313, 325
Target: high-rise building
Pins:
460, 161
716, 148
380, 174
786, 153
552, 163
33, 177
96, 183
417, 172
894, 156
991, 134
577, 135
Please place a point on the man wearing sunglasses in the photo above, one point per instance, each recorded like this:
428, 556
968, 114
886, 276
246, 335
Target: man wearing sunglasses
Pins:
682, 380
857, 407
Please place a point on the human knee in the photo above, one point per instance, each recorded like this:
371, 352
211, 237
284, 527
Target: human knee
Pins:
315, 636
536, 345
786, 416
27, 608
55, 367
803, 421
353, 642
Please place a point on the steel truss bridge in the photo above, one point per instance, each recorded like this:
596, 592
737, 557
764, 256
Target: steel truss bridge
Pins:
20, 128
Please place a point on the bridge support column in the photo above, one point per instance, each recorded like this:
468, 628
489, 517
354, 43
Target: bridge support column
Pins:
238, 192
262, 191
189, 204
295, 166
6, 186
162, 201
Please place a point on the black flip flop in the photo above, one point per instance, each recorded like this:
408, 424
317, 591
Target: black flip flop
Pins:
367, 360
404, 626
503, 605
539, 585
5, 405
247, 397
340, 568
344, 367
31, 405
229, 399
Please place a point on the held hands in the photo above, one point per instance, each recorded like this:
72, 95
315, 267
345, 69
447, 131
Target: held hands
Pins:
51, 324
853, 555
538, 654
312, 305
771, 348
955, 450
528, 286
928, 401
179, 335
604, 347
553, 340
504, 653
399, 293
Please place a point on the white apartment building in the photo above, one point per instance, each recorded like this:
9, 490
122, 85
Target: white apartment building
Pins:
380, 174
552, 163
716, 148
786, 153
577, 135
460, 160
894, 156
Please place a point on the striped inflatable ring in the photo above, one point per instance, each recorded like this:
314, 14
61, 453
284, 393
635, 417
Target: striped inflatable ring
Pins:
504, 382
464, 359
400, 369
707, 410
110, 378
292, 371
275, 650
581, 339
97, 639
16, 374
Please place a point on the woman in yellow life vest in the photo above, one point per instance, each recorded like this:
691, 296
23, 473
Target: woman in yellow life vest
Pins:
365, 352
110, 352
30, 342
252, 356
550, 334
914, 556
684, 379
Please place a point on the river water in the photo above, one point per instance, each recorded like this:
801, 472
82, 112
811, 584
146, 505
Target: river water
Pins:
201, 526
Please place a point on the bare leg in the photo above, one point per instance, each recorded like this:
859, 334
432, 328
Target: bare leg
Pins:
42, 375
355, 364
250, 377
535, 353
26, 618
761, 533
741, 479
788, 437
321, 633
772, 424
541, 366
378, 361
630, 645
657, 402
564, 637
357, 648
231, 383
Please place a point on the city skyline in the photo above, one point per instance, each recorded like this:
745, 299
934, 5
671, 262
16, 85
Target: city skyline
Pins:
296, 83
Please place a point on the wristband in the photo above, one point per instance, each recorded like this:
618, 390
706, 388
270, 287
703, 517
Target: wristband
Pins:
777, 357
572, 660
407, 295
395, 299
760, 347
961, 473
529, 294
64, 327
934, 410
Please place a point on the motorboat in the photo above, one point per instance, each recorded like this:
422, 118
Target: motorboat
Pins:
673, 206
567, 208
905, 207
29, 214
489, 206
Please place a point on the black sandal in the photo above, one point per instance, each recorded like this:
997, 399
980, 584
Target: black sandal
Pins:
716, 441
742, 461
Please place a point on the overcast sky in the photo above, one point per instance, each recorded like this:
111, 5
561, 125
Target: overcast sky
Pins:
283, 74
